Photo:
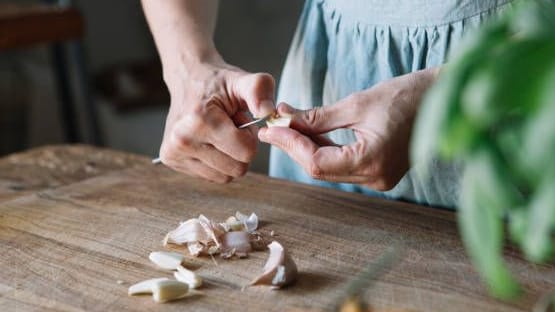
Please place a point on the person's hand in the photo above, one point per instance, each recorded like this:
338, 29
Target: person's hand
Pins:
208, 101
381, 118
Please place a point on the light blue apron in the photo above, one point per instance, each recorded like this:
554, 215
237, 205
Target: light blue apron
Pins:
344, 46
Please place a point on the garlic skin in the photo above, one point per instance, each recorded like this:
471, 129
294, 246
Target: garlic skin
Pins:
166, 260
232, 224
188, 231
144, 287
250, 223
168, 290
280, 270
195, 249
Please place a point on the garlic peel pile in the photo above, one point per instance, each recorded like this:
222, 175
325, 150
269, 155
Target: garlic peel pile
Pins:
280, 269
202, 236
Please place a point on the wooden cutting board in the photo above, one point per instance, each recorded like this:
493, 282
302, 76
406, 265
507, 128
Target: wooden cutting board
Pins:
68, 234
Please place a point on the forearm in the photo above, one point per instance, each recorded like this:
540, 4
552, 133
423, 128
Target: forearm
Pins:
183, 31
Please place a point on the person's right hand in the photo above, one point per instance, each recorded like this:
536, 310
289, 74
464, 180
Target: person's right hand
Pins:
208, 102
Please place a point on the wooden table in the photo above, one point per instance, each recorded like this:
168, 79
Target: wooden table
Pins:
76, 220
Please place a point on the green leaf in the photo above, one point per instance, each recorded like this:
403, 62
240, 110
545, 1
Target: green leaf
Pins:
518, 224
538, 150
534, 19
538, 243
519, 71
480, 217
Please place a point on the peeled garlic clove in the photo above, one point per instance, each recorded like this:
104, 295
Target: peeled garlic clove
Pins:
236, 242
188, 277
279, 121
166, 260
280, 269
168, 290
144, 287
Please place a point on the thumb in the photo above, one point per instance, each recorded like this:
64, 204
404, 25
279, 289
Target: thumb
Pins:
321, 119
257, 90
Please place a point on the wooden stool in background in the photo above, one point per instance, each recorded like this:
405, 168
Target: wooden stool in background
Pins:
23, 26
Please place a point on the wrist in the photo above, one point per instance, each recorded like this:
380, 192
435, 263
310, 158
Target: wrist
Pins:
187, 62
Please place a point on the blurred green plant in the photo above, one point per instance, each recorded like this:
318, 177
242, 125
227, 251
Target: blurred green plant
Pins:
493, 107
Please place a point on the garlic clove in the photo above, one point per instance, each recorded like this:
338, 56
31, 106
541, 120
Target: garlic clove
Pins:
166, 260
144, 287
188, 277
282, 120
168, 290
236, 242
280, 269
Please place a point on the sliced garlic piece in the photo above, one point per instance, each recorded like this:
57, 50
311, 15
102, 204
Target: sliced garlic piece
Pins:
166, 260
282, 120
168, 290
280, 269
188, 277
144, 287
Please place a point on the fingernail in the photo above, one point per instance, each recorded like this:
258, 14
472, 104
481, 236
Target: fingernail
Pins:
266, 108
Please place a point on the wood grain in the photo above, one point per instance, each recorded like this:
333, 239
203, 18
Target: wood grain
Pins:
54, 166
65, 247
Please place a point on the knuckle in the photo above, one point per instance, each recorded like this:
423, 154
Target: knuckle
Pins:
264, 80
239, 170
243, 170
314, 171
182, 140
313, 116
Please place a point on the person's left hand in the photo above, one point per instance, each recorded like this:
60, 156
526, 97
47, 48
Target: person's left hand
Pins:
381, 118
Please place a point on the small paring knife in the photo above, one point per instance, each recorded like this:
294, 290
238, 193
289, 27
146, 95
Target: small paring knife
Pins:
250, 123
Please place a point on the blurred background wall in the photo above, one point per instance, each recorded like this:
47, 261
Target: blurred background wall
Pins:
125, 76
